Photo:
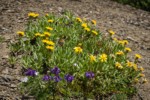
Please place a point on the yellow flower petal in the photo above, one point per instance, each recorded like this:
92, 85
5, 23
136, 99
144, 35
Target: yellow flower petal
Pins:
32, 14
94, 32
20, 33
94, 22
78, 49
92, 58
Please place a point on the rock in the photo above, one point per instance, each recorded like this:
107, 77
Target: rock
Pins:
13, 86
6, 78
5, 71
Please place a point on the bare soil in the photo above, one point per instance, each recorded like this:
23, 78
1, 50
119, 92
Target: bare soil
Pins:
129, 23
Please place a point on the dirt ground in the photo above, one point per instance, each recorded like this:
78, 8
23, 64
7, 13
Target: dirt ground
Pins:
129, 23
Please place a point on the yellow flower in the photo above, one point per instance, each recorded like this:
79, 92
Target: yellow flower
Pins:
118, 65
119, 53
94, 22
94, 32
46, 14
103, 58
123, 42
37, 34
50, 43
50, 48
20, 33
84, 25
129, 64
47, 34
49, 28
92, 58
78, 49
87, 29
115, 39
50, 21
78, 19
142, 75
127, 49
145, 80
44, 41
136, 80
32, 14
141, 69
111, 32
137, 56
135, 67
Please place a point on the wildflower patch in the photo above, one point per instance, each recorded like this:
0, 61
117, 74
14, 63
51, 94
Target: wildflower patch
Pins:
67, 57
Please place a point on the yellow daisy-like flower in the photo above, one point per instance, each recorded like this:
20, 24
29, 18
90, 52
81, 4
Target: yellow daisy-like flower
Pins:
50, 48
20, 33
78, 49
47, 14
137, 56
78, 19
129, 64
141, 69
103, 58
94, 22
123, 42
142, 75
49, 28
111, 32
127, 49
94, 32
47, 34
50, 43
115, 39
87, 29
135, 67
84, 25
92, 58
119, 53
44, 41
32, 14
118, 65
50, 21
136, 80
37, 35
145, 80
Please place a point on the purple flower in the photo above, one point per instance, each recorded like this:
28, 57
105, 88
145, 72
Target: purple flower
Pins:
55, 70
69, 78
56, 78
30, 72
89, 74
46, 77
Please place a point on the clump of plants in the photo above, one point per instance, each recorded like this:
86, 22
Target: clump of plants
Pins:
143, 4
67, 57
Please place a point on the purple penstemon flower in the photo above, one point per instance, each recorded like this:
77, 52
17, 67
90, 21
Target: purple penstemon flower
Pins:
46, 78
55, 70
69, 78
89, 74
31, 72
56, 78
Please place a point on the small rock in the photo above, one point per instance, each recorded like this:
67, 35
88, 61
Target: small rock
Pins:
5, 57
60, 9
13, 86
5, 71
6, 78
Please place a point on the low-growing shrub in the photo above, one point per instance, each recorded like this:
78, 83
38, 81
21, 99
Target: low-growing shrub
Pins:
143, 4
67, 57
